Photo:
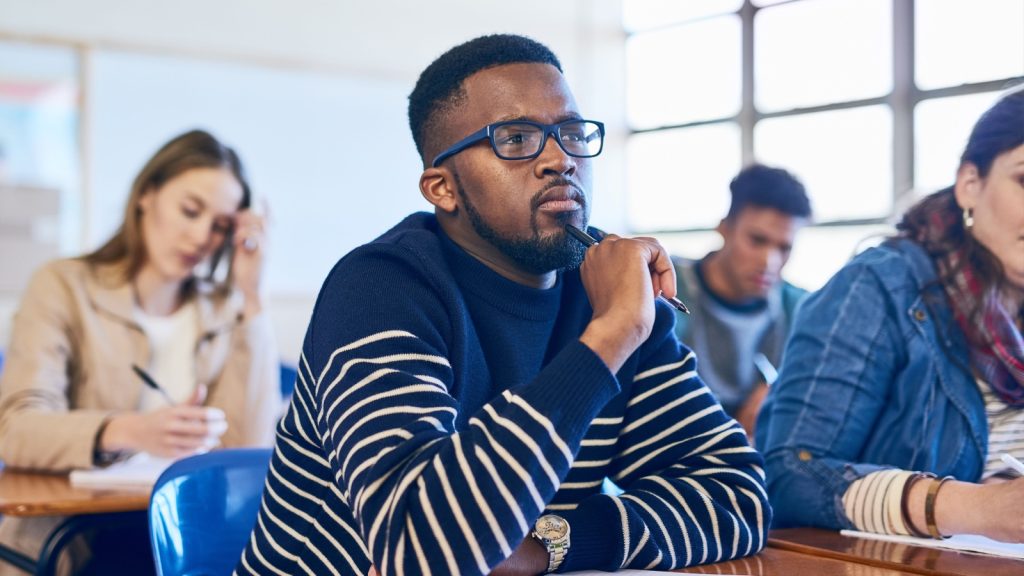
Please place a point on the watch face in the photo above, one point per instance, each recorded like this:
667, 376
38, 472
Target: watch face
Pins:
551, 527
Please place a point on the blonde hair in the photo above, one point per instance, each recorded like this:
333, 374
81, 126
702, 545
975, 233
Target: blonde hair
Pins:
126, 250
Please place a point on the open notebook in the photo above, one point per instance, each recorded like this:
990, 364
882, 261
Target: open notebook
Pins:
963, 542
136, 473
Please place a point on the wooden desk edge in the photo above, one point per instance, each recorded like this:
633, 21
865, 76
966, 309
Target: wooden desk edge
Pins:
104, 505
813, 551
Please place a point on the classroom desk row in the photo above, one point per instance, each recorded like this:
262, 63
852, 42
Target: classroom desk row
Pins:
790, 552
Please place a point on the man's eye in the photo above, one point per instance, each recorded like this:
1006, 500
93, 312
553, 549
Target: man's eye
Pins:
190, 213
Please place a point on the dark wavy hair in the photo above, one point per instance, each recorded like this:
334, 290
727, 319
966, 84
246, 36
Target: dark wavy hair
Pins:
439, 88
999, 130
194, 149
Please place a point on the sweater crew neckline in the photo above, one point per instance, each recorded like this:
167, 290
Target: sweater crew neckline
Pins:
505, 295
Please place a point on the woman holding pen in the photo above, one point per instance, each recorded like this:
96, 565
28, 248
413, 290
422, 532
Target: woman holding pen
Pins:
902, 384
173, 298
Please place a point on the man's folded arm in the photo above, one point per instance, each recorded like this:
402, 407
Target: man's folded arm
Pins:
694, 490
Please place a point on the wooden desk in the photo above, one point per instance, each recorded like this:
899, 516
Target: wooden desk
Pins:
778, 562
37, 494
890, 555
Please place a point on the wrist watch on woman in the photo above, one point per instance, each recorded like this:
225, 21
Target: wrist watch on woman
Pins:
553, 533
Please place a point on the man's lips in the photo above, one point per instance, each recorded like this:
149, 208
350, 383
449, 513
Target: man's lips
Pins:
561, 196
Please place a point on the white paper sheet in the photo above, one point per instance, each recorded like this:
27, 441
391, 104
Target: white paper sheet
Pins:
964, 542
136, 473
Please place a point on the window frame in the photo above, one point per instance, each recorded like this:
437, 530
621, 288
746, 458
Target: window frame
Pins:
902, 101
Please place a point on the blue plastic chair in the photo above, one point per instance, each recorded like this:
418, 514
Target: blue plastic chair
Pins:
288, 375
203, 509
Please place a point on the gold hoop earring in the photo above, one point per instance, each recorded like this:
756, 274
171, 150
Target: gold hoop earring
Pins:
968, 218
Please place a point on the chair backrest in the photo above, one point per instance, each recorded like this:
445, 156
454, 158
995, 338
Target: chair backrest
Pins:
288, 375
203, 509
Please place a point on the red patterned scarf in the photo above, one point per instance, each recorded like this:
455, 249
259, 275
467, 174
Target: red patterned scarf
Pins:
996, 344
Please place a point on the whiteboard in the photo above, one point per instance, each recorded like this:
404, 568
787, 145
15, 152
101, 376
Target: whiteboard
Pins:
331, 153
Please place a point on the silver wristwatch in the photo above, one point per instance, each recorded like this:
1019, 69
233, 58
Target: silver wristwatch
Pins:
553, 533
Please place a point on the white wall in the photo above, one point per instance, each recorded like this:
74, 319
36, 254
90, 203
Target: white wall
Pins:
312, 93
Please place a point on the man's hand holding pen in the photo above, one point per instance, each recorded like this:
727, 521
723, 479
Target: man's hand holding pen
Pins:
622, 277
172, 432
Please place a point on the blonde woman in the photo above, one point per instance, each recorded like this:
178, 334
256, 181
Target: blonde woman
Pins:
175, 296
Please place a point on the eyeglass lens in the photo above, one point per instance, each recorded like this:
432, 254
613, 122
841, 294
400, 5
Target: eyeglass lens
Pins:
577, 138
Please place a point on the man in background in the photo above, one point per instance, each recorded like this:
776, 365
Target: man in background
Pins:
741, 307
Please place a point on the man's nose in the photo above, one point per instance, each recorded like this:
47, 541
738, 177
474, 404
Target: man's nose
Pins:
554, 159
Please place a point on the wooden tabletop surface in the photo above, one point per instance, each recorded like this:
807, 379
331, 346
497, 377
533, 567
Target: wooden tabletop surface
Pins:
891, 555
39, 494
778, 562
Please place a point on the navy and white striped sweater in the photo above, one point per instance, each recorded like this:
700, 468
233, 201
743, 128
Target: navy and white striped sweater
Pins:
441, 408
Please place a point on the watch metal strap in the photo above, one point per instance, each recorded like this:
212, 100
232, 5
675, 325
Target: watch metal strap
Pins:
556, 554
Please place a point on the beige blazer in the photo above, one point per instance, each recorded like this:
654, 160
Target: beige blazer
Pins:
68, 367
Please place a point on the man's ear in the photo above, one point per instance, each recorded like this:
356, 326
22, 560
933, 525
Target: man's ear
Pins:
723, 227
438, 186
968, 185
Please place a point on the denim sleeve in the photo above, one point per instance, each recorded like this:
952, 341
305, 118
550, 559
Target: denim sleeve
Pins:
837, 371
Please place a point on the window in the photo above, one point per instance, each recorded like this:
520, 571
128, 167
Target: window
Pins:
841, 156
701, 159
669, 82
868, 102
822, 51
942, 128
964, 41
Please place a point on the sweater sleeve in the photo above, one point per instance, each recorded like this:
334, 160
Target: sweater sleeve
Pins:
694, 489
426, 497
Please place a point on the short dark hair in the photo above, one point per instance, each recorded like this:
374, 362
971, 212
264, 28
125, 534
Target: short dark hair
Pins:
439, 88
767, 187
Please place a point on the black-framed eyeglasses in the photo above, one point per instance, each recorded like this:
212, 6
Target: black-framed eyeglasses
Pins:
523, 140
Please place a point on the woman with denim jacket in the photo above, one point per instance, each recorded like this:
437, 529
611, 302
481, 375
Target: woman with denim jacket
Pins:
903, 380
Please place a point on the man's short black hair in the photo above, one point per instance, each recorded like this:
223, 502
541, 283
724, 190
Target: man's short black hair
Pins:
439, 88
766, 187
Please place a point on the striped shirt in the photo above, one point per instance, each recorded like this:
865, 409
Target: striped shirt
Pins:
442, 408
1005, 432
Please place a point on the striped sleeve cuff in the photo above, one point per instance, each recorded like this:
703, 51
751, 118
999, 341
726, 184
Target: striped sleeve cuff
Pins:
872, 503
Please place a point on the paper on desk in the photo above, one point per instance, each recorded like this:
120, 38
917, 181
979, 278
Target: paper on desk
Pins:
136, 473
964, 542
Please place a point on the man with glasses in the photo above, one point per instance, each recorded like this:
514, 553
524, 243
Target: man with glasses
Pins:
468, 382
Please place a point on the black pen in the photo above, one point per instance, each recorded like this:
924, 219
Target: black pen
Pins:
152, 384
588, 241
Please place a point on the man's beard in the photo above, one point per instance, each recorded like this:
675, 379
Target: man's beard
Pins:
534, 254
